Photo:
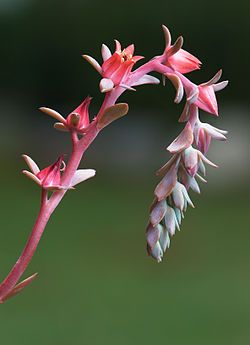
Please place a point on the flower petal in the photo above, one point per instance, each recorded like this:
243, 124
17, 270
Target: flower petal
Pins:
106, 53
106, 85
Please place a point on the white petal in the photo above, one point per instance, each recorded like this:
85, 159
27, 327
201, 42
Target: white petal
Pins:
215, 78
31, 164
106, 53
214, 132
220, 86
82, 175
206, 160
106, 85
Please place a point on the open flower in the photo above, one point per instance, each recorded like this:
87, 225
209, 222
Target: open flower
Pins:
176, 58
206, 98
116, 68
50, 178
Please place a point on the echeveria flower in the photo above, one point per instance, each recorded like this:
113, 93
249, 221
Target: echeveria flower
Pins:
204, 132
206, 97
116, 68
177, 58
50, 177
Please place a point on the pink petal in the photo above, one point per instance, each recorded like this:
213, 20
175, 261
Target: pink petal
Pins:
183, 62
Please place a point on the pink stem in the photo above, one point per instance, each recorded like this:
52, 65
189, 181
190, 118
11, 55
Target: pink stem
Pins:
48, 206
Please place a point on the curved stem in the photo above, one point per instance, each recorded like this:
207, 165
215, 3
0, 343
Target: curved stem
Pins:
48, 206
29, 250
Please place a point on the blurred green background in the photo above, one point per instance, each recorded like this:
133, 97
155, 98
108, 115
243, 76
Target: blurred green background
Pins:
96, 284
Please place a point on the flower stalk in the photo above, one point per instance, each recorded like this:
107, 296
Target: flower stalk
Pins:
179, 174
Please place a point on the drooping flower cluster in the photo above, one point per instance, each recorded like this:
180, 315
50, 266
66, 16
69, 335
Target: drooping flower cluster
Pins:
186, 165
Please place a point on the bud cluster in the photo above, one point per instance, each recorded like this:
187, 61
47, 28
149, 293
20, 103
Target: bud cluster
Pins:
186, 166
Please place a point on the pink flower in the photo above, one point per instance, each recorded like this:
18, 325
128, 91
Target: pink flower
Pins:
178, 59
116, 68
206, 98
203, 133
79, 118
193, 160
49, 178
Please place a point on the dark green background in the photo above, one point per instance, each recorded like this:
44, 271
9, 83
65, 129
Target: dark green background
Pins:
96, 284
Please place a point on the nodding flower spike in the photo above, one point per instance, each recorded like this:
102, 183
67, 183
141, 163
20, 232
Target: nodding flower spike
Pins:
178, 59
49, 178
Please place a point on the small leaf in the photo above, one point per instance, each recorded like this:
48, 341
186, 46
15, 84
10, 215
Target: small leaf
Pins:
82, 175
31, 164
183, 141
178, 86
167, 36
53, 113
19, 287
60, 127
111, 114
93, 62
